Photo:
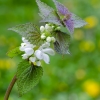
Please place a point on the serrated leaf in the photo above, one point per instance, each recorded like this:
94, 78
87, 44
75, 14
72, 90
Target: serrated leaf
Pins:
78, 22
62, 42
29, 31
52, 18
44, 9
14, 52
70, 20
28, 76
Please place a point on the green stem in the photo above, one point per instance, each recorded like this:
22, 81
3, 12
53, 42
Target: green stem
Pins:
10, 88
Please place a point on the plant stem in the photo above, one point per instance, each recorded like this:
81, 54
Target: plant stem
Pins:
10, 88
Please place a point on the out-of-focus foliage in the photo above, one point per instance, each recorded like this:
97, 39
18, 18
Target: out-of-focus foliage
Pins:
70, 77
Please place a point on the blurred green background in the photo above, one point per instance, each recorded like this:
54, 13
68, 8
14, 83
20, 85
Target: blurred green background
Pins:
72, 77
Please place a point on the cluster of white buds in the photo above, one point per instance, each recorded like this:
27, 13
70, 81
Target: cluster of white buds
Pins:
36, 55
46, 33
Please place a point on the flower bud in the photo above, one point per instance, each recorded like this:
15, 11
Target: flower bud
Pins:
43, 36
53, 39
48, 27
48, 39
42, 28
58, 28
53, 26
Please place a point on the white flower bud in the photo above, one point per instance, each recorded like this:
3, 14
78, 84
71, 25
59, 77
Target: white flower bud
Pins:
24, 56
53, 39
48, 39
53, 26
43, 36
42, 29
58, 28
48, 27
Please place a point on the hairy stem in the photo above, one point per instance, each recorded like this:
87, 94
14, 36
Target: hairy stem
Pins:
10, 88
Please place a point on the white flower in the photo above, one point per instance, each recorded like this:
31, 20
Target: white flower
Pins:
48, 39
43, 36
29, 51
48, 27
42, 53
42, 29
25, 56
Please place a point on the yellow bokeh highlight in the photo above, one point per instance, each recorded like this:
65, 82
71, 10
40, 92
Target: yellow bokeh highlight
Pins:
92, 22
6, 64
87, 46
92, 88
78, 35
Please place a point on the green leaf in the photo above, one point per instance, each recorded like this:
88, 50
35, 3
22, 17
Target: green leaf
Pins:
29, 31
52, 18
44, 9
62, 42
28, 76
14, 52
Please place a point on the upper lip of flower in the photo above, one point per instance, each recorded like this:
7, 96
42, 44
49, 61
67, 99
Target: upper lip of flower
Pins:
43, 51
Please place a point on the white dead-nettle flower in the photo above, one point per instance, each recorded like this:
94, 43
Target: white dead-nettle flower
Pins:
25, 45
42, 28
35, 56
27, 48
43, 51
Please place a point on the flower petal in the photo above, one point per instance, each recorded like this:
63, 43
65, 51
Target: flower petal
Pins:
46, 58
49, 51
29, 51
22, 48
24, 56
39, 54
38, 63
45, 45
32, 59
24, 40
